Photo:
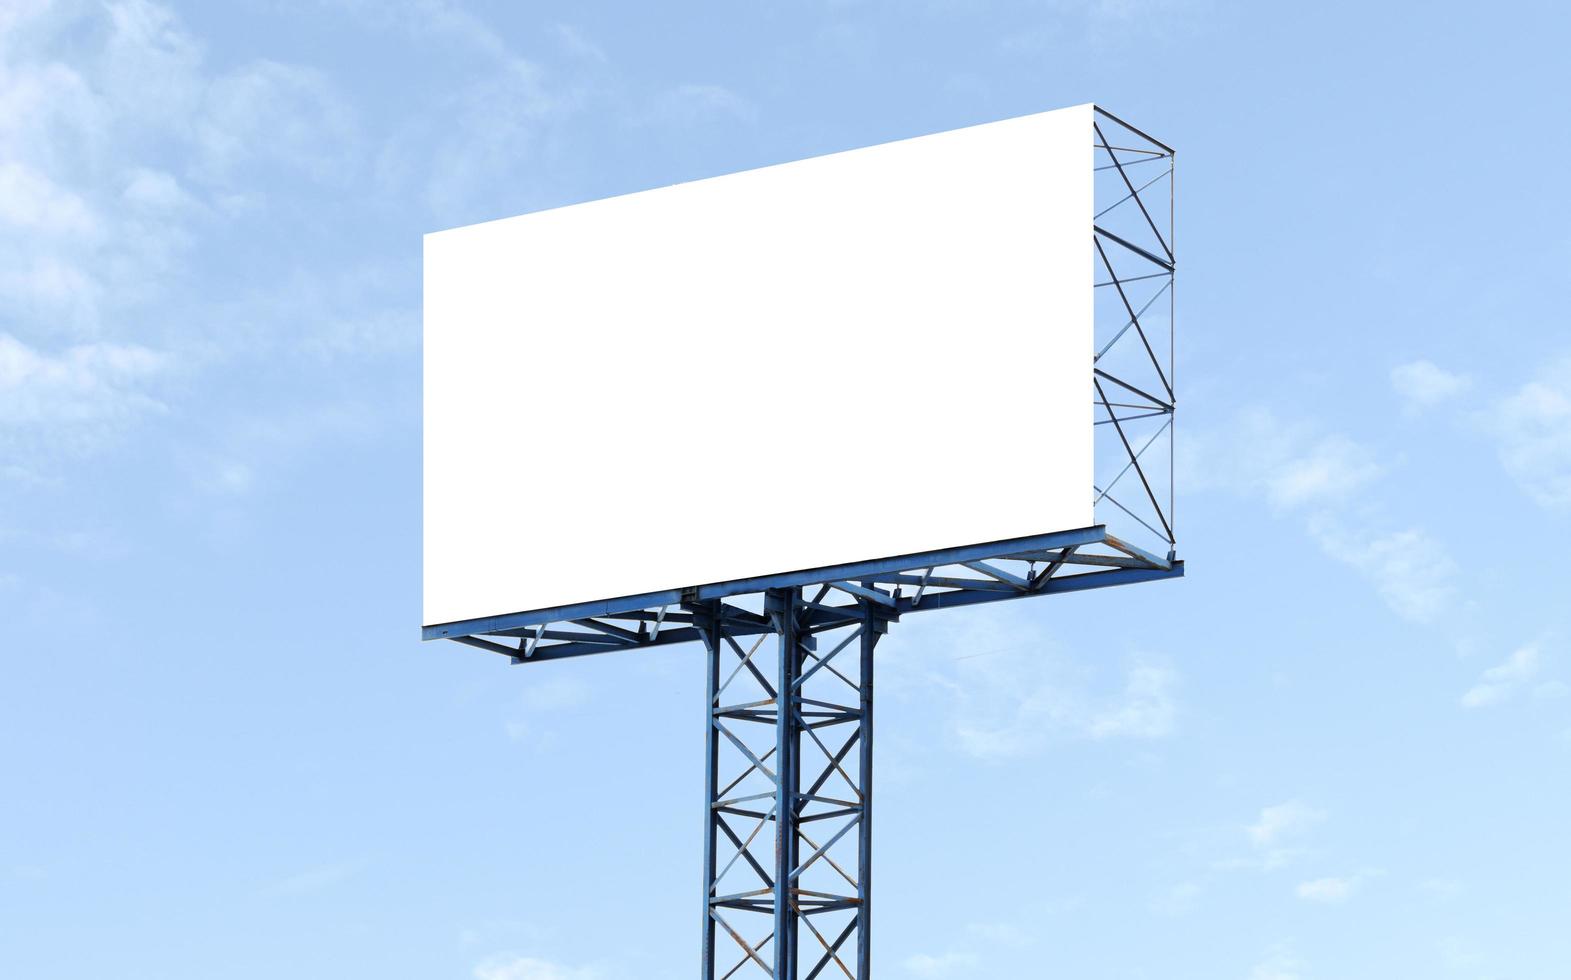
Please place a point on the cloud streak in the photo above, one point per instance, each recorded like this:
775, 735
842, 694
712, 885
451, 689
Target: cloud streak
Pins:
1333, 890
1501, 682
1422, 385
1532, 427
530, 968
1317, 476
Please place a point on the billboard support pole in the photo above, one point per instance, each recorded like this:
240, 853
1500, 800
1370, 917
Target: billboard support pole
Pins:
873, 628
707, 623
783, 611
790, 748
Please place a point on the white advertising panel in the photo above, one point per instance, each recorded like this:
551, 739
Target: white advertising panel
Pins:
861, 355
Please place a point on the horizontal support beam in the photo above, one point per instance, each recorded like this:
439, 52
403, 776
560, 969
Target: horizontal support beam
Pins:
1125, 571
853, 572
1053, 586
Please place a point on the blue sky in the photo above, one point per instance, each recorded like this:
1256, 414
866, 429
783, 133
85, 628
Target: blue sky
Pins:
1340, 748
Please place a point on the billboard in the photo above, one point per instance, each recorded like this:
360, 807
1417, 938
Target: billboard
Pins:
867, 354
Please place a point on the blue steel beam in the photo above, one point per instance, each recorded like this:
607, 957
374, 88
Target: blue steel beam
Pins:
853, 571
1124, 571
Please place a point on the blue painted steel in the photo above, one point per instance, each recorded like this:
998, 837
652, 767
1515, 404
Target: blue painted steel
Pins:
853, 571
864, 877
788, 755
710, 631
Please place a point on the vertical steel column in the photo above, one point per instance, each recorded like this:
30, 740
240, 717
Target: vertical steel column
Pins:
873, 626
789, 757
708, 625
782, 608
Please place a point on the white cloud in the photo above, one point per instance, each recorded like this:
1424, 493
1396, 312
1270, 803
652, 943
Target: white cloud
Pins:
1533, 429
1333, 890
529, 968
272, 113
1441, 889
1146, 709
31, 201
1317, 476
1276, 833
1423, 385
478, 137
1500, 682
1001, 934
575, 43
1291, 465
254, 449
690, 104
1281, 821
154, 191
1278, 965
99, 109
149, 68
1410, 570
1013, 694
1332, 468
1551, 690
1460, 955
950, 964
1329, 890
312, 880
74, 398
1012, 707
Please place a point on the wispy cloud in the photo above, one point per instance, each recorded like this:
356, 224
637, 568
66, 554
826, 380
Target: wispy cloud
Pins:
1532, 427
509, 967
951, 964
1333, 890
1292, 465
465, 154
1410, 569
267, 113
1318, 477
312, 880
1502, 681
1001, 934
1278, 832
1279, 964
1281, 821
75, 397
1012, 707
689, 104
1012, 693
1422, 385
123, 147
248, 452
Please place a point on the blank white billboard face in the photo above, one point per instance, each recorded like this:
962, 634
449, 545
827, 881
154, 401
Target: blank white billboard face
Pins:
861, 355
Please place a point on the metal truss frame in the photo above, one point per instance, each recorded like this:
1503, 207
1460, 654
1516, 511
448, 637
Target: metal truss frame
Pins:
789, 728
790, 747
1043, 564
1133, 370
